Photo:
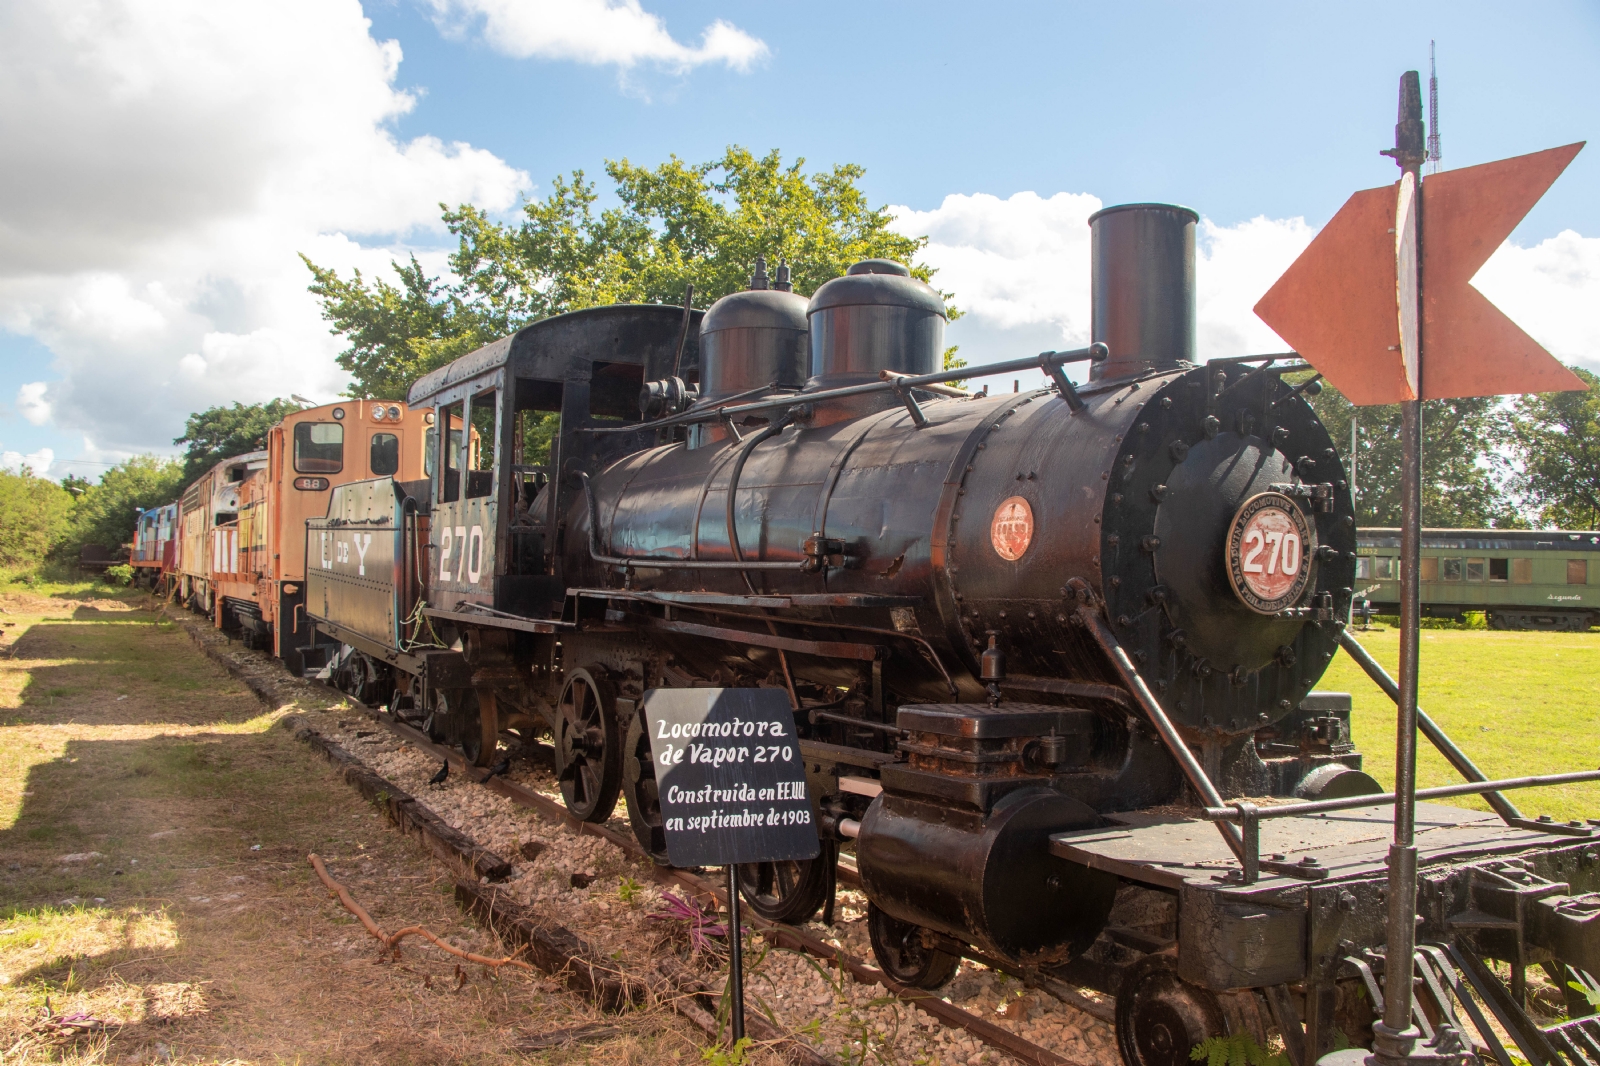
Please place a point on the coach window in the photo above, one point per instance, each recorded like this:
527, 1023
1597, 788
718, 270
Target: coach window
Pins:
1476, 568
1363, 566
385, 458
318, 448
1522, 571
480, 468
1499, 569
1450, 569
1385, 567
1577, 571
1429, 570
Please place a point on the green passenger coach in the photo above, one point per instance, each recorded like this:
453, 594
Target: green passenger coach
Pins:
1522, 579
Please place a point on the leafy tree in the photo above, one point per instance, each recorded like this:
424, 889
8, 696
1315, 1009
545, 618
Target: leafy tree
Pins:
35, 517
217, 433
1555, 437
106, 513
676, 224
1459, 484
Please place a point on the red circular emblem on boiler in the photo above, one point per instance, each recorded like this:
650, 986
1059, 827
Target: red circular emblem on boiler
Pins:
1269, 552
1011, 530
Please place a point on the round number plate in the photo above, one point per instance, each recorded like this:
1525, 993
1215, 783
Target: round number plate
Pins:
1011, 530
1269, 552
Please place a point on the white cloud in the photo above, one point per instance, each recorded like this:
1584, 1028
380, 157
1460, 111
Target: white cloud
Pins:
164, 166
1551, 290
31, 403
599, 32
1019, 267
38, 462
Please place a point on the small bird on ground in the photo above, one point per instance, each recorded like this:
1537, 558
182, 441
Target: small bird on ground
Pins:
444, 772
497, 769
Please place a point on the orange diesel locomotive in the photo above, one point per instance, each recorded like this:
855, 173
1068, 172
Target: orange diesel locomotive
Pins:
255, 556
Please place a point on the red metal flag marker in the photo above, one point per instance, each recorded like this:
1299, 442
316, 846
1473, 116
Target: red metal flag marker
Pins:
1342, 304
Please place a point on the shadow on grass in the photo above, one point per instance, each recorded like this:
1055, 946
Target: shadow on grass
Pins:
122, 668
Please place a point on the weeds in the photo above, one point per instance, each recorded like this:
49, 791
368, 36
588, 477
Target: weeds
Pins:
702, 927
628, 890
1235, 1049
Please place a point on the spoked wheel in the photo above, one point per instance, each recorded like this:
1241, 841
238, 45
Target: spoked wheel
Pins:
904, 954
639, 784
789, 891
1161, 1017
588, 747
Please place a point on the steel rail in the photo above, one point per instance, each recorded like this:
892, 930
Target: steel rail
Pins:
1219, 813
947, 1014
1046, 361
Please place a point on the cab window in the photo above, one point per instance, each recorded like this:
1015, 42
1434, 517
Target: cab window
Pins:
318, 448
385, 458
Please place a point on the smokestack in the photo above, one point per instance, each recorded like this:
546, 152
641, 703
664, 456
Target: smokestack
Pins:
1142, 287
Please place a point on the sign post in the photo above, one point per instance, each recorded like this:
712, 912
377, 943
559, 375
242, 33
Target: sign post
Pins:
1381, 304
732, 787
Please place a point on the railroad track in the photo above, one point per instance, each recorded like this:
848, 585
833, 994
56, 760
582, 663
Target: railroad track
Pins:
549, 810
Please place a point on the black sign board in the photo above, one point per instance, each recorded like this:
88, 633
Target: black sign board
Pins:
730, 776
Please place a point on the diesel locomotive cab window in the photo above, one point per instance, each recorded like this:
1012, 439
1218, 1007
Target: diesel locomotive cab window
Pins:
1499, 569
318, 448
385, 458
1450, 569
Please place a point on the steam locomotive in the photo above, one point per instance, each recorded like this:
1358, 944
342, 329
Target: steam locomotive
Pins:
1030, 638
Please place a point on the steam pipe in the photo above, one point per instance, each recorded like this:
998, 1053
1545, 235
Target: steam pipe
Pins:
1096, 353
1169, 734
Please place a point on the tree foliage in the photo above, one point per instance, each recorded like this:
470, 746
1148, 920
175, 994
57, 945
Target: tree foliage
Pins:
1555, 439
1460, 487
675, 224
35, 517
106, 513
217, 433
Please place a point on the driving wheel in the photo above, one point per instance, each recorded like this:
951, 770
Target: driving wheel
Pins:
1161, 1017
639, 783
788, 891
903, 952
588, 747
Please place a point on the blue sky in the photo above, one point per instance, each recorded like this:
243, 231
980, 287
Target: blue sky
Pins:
160, 276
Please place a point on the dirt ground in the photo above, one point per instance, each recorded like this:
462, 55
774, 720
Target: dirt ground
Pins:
155, 898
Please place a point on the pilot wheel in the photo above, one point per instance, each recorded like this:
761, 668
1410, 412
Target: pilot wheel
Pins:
1161, 1017
639, 780
788, 891
905, 954
588, 746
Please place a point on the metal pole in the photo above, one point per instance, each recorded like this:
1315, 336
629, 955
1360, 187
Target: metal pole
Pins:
735, 957
1395, 1036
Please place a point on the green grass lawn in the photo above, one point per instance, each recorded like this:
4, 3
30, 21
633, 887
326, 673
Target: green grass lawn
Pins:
1517, 703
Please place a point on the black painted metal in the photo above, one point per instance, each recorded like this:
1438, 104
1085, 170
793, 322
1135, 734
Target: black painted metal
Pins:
1142, 287
753, 338
877, 317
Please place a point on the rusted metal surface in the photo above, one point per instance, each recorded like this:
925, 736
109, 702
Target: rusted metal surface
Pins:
833, 649
1349, 267
1473, 348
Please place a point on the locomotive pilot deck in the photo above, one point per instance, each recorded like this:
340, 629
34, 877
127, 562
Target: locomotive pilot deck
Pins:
1171, 850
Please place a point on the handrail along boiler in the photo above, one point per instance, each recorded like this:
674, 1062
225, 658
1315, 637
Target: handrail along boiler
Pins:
1022, 632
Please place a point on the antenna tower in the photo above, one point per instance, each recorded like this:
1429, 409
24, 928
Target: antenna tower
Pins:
1433, 112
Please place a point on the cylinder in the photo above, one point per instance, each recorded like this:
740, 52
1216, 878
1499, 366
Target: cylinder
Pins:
753, 339
875, 318
1142, 287
995, 885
